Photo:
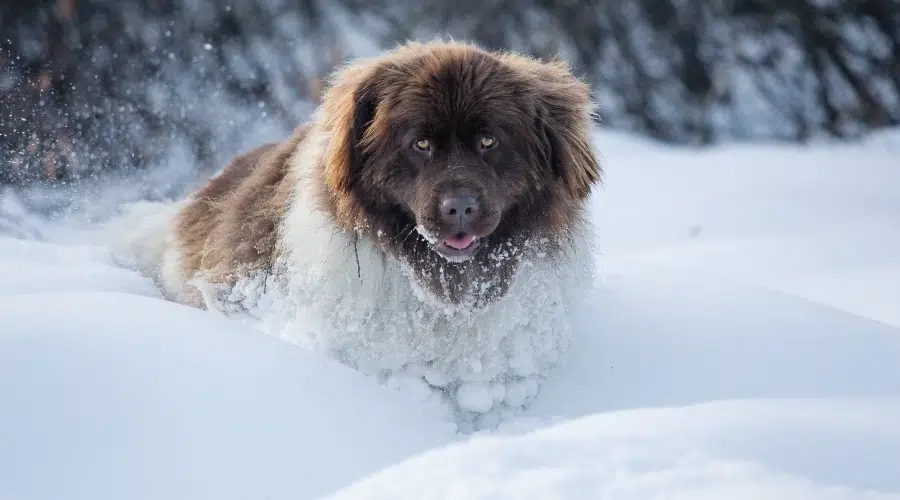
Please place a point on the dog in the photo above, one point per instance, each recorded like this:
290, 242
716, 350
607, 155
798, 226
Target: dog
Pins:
428, 221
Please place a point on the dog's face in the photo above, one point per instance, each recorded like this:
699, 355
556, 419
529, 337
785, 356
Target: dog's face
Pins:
451, 151
445, 148
450, 175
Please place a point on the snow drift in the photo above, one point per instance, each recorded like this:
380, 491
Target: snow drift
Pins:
742, 450
113, 395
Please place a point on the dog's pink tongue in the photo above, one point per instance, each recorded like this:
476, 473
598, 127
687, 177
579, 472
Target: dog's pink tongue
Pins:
460, 242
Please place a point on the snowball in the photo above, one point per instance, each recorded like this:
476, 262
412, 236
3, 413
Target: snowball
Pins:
522, 364
475, 397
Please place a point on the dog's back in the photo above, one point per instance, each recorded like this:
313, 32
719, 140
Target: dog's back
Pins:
151, 236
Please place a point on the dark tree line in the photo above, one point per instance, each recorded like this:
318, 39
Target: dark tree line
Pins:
99, 87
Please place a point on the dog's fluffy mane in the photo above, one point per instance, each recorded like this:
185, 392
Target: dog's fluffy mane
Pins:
291, 233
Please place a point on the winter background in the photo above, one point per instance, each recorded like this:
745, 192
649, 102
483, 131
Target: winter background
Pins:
742, 340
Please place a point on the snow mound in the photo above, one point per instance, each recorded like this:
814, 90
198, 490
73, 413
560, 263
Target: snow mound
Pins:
660, 337
739, 450
817, 221
28, 267
112, 395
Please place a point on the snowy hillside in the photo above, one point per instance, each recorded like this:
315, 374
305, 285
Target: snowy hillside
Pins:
742, 343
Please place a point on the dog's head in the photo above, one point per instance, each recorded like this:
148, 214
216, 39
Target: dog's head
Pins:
446, 150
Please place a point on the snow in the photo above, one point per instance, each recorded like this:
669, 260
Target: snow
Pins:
114, 395
742, 343
819, 222
736, 450
476, 396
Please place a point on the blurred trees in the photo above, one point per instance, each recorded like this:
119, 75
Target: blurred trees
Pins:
88, 86
91, 87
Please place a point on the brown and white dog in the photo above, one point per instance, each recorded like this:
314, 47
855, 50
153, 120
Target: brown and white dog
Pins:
429, 220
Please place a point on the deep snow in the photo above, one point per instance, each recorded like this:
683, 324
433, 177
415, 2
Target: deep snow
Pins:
742, 344
738, 450
118, 396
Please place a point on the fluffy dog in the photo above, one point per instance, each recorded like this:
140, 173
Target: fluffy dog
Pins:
428, 221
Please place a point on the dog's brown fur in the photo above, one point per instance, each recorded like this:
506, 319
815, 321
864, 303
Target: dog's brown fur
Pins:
231, 226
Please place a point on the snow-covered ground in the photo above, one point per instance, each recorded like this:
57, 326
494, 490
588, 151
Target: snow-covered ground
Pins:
743, 343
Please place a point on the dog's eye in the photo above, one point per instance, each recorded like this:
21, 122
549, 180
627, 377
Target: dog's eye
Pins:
422, 145
487, 142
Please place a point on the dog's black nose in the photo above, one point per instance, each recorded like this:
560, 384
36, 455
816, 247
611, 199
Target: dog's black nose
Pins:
459, 207
459, 211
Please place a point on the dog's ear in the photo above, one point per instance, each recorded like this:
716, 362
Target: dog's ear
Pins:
348, 110
565, 116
